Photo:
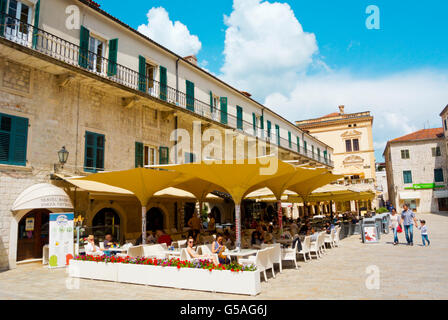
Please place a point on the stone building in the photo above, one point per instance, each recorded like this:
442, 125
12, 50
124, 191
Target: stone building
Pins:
113, 98
416, 167
444, 116
350, 136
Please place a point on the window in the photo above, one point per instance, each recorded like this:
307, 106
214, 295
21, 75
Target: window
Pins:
348, 145
239, 117
13, 140
436, 152
164, 155
269, 128
254, 123
312, 151
223, 102
97, 49
438, 175
94, 152
444, 121
318, 154
18, 28
355, 145
405, 154
305, 149
298, 144
277, 132
190, 95
149, 155
190, 157
407, 176
325, 154
289, 139
150, 76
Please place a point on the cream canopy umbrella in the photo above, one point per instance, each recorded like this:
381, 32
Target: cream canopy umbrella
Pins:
143, 183
236, 177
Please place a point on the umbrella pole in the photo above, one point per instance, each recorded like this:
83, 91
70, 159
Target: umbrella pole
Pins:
143, 224
238, 225
280, 215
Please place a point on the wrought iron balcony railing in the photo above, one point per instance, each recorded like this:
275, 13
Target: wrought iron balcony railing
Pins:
46, 43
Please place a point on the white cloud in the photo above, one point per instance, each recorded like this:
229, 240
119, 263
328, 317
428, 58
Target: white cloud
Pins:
400, 103
266, 48
174, 36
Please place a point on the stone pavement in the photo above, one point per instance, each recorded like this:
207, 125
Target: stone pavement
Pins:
405, 273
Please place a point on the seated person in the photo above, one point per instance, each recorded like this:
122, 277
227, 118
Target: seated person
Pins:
294, 228
91, 248
328, 228
211, 223
108, 241
257, 236
314, 234
218, 248
195, 255
162, 237
229, 242
299, 244
151, 238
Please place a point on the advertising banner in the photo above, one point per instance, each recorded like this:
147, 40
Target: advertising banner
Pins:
61, 239
370, 235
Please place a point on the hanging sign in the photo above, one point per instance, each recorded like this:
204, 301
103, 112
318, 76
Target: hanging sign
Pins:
29, 224
61, 239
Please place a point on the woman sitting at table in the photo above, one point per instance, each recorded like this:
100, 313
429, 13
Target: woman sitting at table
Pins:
218, 248
195, 255
91, 248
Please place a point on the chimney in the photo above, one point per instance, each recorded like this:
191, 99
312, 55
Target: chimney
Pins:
341, 109
247, 94
192, 59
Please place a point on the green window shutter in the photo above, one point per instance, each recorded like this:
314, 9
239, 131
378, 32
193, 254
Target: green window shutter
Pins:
269, 128
190, 95
113, 52
223, 102
305, 148
407, 176
164, 155
13, 140
438, 175
211, 102
325, 154
138, 154
254, 123
36, 24
262, 126
190, 157
163, 83
289, 139
84, 37
2, 16
141, 73
94, 152
239, 117
298, 144
277, 132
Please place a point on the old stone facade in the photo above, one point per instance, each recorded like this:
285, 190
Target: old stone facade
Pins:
411, 165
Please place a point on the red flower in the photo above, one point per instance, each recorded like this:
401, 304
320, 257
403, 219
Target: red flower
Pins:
178, 266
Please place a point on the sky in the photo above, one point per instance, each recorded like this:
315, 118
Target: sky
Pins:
303, 58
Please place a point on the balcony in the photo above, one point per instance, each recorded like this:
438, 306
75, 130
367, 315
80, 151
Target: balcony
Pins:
50, 45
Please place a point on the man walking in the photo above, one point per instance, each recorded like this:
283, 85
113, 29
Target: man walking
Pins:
407, 216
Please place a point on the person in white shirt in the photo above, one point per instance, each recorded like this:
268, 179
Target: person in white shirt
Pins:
91, 248
424, 231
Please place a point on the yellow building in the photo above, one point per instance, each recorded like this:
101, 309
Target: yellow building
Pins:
350, 136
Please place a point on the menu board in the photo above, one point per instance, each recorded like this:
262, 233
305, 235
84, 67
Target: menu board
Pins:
370, 235
61, 239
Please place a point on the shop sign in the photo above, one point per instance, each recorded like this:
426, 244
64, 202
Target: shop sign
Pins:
61, 239
29, 224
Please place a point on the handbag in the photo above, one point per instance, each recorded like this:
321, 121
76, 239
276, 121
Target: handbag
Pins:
399, 229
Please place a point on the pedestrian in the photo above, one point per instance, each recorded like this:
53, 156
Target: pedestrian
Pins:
424, 231
407, 216
394, 223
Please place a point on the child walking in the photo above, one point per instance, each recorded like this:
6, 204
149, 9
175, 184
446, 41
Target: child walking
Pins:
424, 230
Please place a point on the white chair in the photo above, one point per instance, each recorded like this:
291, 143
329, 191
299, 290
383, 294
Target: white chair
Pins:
329, 238
182, 243
315, 248
206, 249
101, 244
321, 240
290, 254
260, 261
306, 245
276, 253
337, 236
155, 251
184, 255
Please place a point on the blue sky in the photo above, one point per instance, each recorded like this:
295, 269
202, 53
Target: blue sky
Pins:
399, 72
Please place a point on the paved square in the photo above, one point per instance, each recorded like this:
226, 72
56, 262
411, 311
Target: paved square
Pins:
405, 273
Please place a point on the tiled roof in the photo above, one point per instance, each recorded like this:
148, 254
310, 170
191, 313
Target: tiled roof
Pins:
334, 114
422, 134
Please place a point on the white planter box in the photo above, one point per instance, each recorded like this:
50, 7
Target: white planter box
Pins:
247, 282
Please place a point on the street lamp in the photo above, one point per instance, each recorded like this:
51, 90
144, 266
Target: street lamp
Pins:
63, 156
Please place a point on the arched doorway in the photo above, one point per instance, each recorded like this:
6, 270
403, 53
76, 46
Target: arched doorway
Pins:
104, 222
154, 219
216, 213
33, 233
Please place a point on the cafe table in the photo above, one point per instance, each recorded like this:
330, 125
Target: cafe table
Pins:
175, 253
240, 254
112, 251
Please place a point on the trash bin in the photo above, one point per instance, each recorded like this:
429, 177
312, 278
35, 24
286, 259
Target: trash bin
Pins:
379, 225
351, 229
345, 230
385, 223
357, 229
369, 230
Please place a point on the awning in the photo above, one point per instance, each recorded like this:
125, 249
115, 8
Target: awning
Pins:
440, 193
409, 195
42, 196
